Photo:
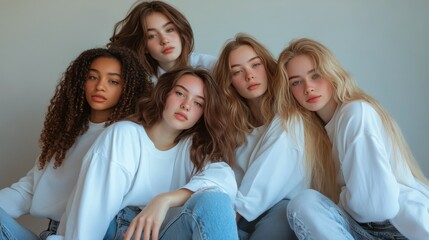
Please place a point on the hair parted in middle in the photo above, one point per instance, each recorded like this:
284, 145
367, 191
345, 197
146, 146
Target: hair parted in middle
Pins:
131, 32
345, 91
68, 113
212, 140
241, 116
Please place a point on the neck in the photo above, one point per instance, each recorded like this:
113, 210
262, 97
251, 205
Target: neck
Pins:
167, 66
328, 111
162, 137
255, 106
99, 116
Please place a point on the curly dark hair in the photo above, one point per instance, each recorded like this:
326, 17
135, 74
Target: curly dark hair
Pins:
212, 140
68, 112
131, 32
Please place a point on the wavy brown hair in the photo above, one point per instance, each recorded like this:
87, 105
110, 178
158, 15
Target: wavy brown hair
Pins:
212, 141
241, 117
131, 32
68, 112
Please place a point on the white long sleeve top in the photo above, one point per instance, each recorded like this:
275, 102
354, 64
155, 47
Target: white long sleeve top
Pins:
370, 190
270, 167
202, 60
44, 193
124, 168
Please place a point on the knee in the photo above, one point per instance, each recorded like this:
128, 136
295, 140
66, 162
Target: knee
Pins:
306, 202
210, 202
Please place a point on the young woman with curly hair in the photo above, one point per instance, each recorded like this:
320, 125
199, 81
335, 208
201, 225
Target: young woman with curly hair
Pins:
100, 87
161, 36
174, 150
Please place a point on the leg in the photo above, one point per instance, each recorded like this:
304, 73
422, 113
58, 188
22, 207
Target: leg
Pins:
273, 224
119, 225
206, 215
313, 216
10, 229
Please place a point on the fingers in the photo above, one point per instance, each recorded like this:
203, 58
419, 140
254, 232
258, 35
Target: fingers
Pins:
149, 228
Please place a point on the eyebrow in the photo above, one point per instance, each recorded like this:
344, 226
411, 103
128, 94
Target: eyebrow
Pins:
311, 71
163, 26
253, 58
110, 74
198, 96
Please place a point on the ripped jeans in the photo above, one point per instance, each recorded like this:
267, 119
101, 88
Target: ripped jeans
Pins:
313, 216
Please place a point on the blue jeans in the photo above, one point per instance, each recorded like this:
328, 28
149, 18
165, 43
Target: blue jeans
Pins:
206, 215
10, 229
313, 216
272, 224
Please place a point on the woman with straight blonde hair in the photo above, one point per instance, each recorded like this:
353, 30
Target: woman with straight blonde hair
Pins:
384, 194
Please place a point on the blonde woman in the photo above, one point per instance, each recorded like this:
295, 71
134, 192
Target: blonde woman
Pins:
384, 194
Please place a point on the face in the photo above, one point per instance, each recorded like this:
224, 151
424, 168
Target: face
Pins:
103, 87
248, 73
310, 89
185, 103
163, 40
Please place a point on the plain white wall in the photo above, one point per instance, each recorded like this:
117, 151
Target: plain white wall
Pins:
382, 43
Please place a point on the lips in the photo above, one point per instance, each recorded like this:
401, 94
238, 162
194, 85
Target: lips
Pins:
168, 50
180, 116
253, 86
313, 99
98, 98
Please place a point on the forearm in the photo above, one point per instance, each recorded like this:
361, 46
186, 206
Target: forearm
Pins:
177, 198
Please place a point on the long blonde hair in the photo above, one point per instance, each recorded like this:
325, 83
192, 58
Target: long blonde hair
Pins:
241, 116
346, 91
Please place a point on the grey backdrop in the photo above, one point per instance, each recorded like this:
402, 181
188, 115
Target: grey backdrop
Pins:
382, 43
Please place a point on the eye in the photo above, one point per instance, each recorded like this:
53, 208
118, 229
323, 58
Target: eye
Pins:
235, 72
91, 77
316, 76
180, 94
198, 104
170, 29
151, 36
114, 82
256, 65
295, 83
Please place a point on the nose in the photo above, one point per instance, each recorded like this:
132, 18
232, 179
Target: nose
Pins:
308, 88
164, 40
185, 105
249, 76
100, 86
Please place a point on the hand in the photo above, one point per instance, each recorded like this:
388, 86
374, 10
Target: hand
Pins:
149, 220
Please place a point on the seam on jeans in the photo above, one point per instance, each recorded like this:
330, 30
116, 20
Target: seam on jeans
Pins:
6, 232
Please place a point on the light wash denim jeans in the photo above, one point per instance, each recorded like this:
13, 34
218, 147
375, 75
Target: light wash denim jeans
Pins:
10, 229
207, 215
313, 216
272, 225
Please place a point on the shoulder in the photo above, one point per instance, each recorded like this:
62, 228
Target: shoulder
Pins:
202, 60
123, 129
358, 116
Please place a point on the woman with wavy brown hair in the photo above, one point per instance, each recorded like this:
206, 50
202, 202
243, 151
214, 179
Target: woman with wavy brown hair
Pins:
173, 151
100, 87
161, 36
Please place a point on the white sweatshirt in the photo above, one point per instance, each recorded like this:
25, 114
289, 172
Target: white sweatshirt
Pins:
270, 167
202, 60
124, 168
44, 193
371, 192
